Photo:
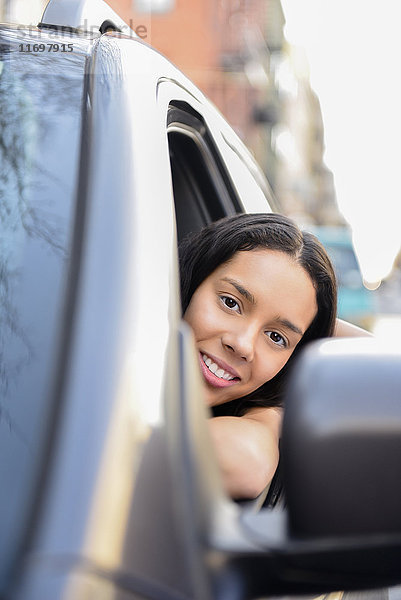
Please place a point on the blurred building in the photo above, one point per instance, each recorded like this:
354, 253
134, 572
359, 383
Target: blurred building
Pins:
303, 182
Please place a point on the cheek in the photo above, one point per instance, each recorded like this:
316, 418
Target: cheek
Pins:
271, 363
203, 319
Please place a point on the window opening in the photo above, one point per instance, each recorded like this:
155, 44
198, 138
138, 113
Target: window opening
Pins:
203, 191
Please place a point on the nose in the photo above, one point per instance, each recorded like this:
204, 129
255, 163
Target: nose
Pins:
241, 341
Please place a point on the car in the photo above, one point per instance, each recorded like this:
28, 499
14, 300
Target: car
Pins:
110, 489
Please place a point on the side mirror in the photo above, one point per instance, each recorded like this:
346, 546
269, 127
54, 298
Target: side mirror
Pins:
341, 453
342, 442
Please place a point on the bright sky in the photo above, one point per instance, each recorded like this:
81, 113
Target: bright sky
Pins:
354, 49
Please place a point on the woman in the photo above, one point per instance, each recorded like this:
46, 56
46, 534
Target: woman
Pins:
255, 289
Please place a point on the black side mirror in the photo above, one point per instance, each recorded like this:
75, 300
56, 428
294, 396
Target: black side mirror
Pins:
341, 453
342, 442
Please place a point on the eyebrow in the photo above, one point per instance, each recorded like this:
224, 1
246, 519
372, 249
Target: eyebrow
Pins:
241, 290
289, 325
251, 298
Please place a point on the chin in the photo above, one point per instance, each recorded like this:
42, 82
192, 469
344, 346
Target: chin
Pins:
211, 400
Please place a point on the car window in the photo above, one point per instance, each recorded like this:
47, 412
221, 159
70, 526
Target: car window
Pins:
203, 190
40, 123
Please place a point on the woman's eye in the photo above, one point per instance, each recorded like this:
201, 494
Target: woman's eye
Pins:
230, 303
277, 338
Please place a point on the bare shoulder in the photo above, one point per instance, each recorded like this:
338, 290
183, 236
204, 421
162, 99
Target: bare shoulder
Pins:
268, 417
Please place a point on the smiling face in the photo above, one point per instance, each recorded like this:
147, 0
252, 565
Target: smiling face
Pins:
247, 318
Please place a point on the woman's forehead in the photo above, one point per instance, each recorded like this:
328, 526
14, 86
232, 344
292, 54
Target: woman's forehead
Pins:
271, 279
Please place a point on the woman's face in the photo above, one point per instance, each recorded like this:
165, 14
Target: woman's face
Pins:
247, 318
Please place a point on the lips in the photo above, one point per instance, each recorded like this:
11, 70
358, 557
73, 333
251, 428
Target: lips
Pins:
216, 372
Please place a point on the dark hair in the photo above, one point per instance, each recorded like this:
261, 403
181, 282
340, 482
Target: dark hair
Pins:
201, 253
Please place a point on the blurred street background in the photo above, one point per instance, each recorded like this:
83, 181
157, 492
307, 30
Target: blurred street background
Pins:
312, 89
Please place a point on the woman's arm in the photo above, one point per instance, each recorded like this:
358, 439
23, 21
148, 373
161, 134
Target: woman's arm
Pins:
247, 450
345, 329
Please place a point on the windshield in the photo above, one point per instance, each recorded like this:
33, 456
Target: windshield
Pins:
40, 124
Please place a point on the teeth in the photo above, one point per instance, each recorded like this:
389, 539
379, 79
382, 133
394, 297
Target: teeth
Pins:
220, 373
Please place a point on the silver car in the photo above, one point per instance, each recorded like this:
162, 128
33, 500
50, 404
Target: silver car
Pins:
109, 487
